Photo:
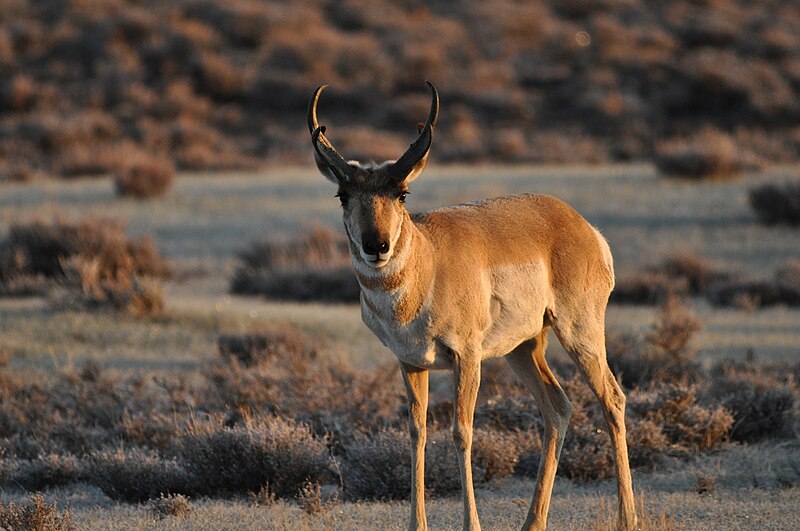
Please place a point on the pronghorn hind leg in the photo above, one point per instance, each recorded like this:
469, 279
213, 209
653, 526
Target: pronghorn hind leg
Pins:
586, 346
529, 364
416, 381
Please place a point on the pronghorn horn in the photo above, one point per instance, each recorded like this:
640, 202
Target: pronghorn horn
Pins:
328, 159
414, 160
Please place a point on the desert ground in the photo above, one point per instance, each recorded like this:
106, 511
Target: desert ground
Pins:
206, 219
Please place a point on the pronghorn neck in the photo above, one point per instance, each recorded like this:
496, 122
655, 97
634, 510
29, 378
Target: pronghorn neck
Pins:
400, 288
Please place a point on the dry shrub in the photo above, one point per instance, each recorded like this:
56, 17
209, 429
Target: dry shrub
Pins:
51, 470
254, 348
699, 275
379, 467
91, 261
281, 385
678, 275
776, 204
754, 294
749, 294
709, 154
144, 178
510, 413
169, 505
587, 453
310, 499
36, 514
84, 286
137, 475
687, 425
705, 484
664, 355
762, 404
274, 451
314, 266
606, 101
647, 288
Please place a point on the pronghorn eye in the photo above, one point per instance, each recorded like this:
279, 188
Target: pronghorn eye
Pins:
343, 197
402, 197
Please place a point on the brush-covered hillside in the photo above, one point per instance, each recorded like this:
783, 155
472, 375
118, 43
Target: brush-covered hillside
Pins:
88, 84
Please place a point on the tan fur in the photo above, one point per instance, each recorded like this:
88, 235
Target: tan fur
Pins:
483, 280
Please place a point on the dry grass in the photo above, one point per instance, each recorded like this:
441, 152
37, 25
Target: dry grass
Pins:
248, 424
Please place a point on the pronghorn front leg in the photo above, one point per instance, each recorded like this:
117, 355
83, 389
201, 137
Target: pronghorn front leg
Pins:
466, 380
416, 380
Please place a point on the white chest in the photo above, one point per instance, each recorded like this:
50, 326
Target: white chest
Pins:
412, 342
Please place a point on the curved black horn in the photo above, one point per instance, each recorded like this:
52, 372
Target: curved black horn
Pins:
329, 161
414, 160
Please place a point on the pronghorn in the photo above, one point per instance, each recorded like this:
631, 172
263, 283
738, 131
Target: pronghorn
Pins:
452, 287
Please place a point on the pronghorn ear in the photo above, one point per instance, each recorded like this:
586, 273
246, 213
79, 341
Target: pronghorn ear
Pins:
325, 168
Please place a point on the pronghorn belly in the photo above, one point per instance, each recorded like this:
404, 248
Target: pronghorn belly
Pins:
520, 295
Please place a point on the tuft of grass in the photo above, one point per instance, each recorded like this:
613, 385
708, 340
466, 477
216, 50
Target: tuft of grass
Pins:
314, 266
36, 514
647, 519
777, 203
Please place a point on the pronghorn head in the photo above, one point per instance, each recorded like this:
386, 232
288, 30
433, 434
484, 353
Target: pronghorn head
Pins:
373, 194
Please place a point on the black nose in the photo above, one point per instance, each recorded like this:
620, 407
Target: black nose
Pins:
373, 244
